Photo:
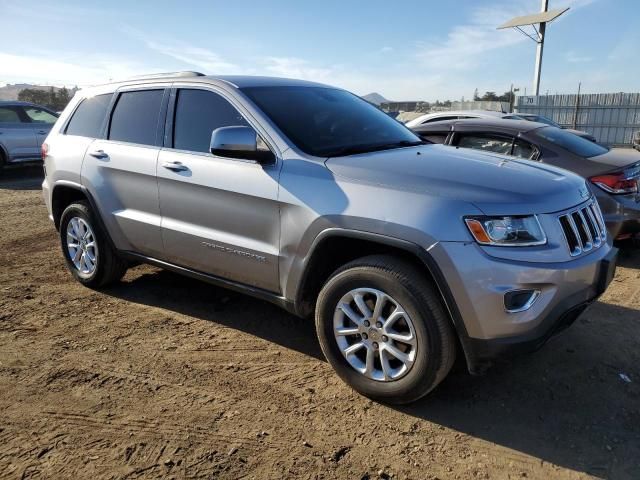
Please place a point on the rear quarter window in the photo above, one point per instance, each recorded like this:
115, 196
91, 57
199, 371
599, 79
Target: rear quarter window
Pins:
88, 117
571, 142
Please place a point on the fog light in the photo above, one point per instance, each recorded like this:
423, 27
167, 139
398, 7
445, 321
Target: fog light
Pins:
520, 300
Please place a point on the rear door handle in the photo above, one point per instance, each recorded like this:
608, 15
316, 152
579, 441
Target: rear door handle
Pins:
175, 166
98, 154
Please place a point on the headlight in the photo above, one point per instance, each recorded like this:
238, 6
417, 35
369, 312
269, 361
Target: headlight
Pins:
506, 231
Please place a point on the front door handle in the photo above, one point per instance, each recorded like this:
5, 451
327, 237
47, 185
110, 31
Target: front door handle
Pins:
175, 166
42, 132
98, 154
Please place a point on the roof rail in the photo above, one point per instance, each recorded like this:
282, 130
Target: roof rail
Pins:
167, 75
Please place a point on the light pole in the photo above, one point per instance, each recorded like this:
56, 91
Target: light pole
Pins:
541, 19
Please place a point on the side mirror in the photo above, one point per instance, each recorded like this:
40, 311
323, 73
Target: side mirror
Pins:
239, 142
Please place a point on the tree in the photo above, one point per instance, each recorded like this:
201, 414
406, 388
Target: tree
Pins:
476, 97
55, 99
490, 96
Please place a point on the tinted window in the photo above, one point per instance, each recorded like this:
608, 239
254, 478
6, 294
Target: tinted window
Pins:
88, 117
434, 137
9, 115
440, 119
330, 122
571, 142
198, 113
135, 117
38, 115
524, 149
485, 142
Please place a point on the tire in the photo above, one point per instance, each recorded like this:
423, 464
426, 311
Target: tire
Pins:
407, 289
108, 267
3, 161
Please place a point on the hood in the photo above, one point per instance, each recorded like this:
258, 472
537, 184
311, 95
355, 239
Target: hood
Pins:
615, 159
496, 184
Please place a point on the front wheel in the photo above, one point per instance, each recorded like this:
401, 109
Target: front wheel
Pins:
89, 255
382, 327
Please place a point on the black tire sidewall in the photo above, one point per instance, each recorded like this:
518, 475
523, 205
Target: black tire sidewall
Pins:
423, 374
81, 210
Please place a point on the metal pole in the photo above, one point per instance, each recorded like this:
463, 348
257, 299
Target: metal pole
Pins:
511, 99
539, 48
575, 111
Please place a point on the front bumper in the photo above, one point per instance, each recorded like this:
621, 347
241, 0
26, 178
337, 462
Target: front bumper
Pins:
478, 283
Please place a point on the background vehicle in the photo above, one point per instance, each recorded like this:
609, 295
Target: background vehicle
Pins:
23, 128
468, 114
532, 117
613, 173
297, 193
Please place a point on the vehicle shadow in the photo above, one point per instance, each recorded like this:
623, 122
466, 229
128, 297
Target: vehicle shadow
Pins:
574, 403
629, 256
22, 178
201, 300
566, 404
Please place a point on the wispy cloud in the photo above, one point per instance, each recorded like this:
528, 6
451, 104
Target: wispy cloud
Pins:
47, 69
202, 58
574, 57
467, 45
295, 68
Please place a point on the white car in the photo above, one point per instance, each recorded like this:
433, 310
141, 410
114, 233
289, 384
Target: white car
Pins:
454, 115
464, 114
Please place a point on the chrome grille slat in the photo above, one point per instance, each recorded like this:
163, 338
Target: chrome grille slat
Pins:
583, 228
596, 227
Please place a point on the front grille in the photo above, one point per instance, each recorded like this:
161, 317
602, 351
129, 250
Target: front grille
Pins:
583, 228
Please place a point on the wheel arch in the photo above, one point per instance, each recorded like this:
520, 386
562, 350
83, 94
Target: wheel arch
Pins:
349, 245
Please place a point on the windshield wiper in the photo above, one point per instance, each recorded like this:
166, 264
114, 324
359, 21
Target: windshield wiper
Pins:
355, 149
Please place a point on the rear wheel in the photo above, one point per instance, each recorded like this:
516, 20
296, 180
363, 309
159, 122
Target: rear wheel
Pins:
89, 255
382, 327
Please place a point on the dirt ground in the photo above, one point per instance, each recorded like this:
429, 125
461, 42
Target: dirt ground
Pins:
163, 376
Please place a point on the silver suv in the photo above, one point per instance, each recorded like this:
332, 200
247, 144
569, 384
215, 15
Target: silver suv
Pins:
309, 197
23, 128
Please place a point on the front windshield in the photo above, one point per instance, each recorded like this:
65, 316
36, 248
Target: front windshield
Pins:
571, 142
328, 122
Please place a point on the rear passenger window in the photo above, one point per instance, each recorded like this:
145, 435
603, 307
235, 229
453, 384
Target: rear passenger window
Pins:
9, 115
88, 117
524, 150
135, 117
198, 113
486, 142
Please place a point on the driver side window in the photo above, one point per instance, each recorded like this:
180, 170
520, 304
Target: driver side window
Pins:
197, 114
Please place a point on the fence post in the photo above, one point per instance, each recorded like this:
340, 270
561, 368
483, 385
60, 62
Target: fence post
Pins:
575, 112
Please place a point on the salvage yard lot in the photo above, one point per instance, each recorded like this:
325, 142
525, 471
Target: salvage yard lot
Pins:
164, 376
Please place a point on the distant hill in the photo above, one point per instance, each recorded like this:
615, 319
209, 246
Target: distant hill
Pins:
374, 98
10, 92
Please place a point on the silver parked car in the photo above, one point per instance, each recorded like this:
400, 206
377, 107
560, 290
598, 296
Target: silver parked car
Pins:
307, 196
488, 114
23, 128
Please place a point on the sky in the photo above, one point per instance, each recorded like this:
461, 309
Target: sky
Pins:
403, 49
